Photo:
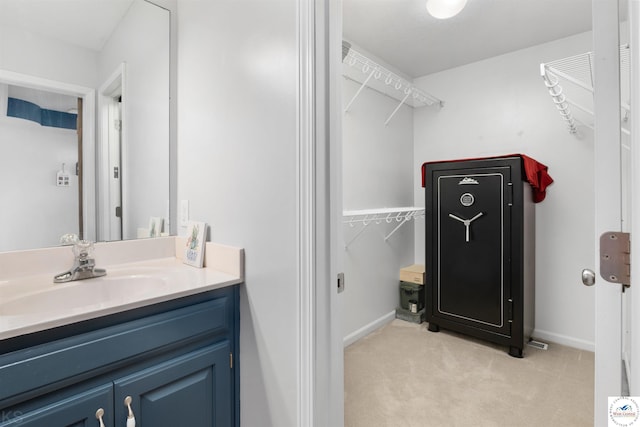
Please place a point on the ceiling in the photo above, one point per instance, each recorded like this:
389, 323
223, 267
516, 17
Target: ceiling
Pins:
85, 23
403, 34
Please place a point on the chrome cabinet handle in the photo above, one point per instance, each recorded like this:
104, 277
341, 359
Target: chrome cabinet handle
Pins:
131, 420
99, 415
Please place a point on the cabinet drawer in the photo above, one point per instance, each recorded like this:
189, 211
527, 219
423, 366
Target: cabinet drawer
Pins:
36, 367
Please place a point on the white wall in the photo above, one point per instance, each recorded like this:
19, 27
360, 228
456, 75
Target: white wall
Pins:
31, 154
377, 172
141, 41
30, 157
501, 106
28, 53
237, 74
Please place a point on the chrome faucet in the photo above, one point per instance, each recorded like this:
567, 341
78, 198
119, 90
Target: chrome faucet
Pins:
83, 265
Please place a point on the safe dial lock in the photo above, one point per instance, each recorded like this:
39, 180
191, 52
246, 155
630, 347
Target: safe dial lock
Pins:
467, 199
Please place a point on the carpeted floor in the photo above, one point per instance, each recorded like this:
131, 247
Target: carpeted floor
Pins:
402, 376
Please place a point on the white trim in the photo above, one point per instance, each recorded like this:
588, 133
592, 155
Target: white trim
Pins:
369, 328
541, 335
634, 35
324, 33
305, 159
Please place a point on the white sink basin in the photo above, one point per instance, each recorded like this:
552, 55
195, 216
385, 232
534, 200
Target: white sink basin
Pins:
83, 294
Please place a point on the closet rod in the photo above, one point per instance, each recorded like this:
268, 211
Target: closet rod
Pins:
365, 217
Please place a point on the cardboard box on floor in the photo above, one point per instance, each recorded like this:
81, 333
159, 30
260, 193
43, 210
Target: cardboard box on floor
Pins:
413, 273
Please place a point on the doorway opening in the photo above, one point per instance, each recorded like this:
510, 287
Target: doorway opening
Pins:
63, 108
111, 96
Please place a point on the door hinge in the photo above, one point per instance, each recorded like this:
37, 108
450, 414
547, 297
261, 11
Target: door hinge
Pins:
230, 360
615, 259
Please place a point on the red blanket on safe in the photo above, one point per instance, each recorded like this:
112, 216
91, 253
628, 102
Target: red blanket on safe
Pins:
537, 173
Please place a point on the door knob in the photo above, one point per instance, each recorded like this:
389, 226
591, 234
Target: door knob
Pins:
588, 277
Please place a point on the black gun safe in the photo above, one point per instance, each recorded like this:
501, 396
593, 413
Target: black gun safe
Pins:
480, 250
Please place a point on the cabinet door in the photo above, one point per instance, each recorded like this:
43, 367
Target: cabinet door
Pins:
75, 411
472, 246
193, 390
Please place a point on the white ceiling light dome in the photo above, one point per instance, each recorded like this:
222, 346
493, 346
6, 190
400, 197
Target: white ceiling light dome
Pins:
444, 9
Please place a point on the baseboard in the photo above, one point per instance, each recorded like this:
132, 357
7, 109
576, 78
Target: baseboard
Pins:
544, 336
367, 329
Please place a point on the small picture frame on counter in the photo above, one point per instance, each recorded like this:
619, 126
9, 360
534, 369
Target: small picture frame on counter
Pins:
155, 226
194, 247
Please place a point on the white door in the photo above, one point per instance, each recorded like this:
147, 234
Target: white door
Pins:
608, 179
634, 296
111, 111
115, 170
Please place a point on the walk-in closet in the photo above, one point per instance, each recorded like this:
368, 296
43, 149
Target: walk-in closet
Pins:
499, 79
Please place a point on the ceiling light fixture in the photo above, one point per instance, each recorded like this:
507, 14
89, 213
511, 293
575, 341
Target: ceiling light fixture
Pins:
444, 9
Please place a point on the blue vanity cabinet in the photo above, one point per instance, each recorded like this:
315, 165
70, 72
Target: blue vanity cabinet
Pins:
191, 391
176, 360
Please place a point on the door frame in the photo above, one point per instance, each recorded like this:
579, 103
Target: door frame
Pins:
634, 41
321, 385
319, 212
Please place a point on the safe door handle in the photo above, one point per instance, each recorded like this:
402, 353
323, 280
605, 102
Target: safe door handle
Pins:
131, 419
466, 223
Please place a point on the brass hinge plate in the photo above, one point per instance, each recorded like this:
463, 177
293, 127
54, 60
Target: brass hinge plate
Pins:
615, 260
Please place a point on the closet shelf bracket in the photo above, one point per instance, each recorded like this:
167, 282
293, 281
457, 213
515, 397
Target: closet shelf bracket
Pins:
364, 218
576, 73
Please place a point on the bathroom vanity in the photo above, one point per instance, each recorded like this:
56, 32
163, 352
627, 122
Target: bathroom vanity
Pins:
171, 352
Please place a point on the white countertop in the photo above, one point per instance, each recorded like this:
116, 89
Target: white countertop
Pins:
32, 303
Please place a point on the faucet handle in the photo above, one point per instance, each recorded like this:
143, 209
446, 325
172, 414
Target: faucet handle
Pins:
68, 239
83, 249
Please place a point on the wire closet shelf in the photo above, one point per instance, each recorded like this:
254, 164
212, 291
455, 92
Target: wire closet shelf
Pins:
577, 72
366, 217
369, 73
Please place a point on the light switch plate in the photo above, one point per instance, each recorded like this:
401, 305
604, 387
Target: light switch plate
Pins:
184, 213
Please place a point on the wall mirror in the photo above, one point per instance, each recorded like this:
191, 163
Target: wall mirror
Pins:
85, 116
